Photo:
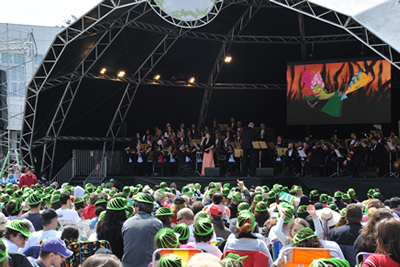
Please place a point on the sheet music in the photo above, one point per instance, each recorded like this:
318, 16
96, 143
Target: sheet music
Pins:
302, 154
391, 146
338, 153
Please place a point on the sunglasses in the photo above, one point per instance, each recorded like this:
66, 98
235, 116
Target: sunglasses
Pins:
22, 237
179, 219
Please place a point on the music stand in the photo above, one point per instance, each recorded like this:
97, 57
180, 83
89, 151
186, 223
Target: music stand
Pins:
390, 148
281, 151
337, 173
239, 154
235, 144
259, 145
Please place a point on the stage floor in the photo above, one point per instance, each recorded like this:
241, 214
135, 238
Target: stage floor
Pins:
389, 186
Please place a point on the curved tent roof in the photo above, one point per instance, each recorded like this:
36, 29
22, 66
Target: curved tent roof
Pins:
69, 100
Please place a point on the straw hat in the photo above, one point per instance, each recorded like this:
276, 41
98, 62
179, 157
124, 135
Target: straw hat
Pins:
326, 214
3, 221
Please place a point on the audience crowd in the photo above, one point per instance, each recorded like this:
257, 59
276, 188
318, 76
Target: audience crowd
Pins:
230, 225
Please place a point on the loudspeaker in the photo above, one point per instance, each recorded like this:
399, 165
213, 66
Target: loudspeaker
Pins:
211, 172
263, 172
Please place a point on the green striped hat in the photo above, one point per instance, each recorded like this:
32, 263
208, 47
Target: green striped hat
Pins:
303, 234
117, 203
203, 227
338, 194
102, 214
163, 184
334, 207
302, 209
159, 194
20, 226
197, 186
166, 238
351, 192
18, 205
258, 198
100, 200
18, 194
243, 206
346, 196
144, 198
112, 192
6, 198
164, 211
261, 206
225, 192
271, 194
237, 196
183, 230
323, 198
33, 200
343, 212
126, 190
170, 260
130, 211
201, 215
54, 199
246, 217
79, 200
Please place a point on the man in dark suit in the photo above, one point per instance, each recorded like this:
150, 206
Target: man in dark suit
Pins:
249, 135
357, 159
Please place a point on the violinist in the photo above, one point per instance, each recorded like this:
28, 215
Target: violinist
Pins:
159, 160
278, 158
208, 158
357, 159
378, 156
319, 153
352, 141
292, 160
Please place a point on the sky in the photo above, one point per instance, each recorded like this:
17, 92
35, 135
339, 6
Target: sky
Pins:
43, 12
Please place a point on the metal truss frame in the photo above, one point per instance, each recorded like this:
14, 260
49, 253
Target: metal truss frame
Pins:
39, 83
245, 38
95, 22
233, 33
170, 83
346, 23
140, 74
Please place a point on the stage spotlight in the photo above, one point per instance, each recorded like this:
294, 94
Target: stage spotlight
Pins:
228, 59
157, 77
191, 80
103, 70
121, 74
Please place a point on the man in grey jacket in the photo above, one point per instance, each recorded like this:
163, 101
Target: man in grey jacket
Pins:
139, 232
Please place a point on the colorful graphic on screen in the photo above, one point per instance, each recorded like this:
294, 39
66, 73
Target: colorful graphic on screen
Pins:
339, 93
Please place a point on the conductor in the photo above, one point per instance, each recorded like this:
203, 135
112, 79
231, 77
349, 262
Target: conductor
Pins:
249, 135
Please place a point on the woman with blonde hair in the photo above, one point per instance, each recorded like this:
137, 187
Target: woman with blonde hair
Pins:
179, 203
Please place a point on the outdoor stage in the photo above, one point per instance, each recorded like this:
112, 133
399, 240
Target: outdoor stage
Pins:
389, 186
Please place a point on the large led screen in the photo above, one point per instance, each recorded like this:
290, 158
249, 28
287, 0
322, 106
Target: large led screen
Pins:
350, 92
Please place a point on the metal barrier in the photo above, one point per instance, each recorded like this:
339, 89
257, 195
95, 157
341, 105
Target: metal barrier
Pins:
91, 164
86, 161
99, 172
65, 174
